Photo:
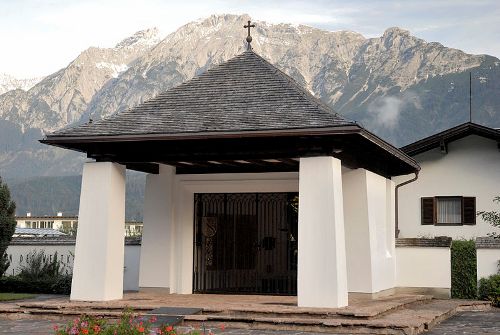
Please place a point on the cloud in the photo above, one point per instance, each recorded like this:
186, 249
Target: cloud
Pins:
386, 111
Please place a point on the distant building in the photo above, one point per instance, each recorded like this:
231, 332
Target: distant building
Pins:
66, 224
37, 232
58, 222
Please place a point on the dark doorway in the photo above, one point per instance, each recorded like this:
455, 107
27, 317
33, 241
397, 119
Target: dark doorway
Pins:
245, 243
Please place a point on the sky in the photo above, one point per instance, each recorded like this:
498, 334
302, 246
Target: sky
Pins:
39, 37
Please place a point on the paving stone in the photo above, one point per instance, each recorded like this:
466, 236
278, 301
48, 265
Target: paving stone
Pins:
466, 323
473, 323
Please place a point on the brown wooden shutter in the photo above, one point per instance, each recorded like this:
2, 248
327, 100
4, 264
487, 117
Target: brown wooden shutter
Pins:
469, 210
428, 211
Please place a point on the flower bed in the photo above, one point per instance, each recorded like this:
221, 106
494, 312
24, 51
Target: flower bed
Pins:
128, 324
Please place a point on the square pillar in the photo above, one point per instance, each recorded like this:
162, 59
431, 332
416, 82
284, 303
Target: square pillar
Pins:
322, 278
99, 250
369, 229
157, 236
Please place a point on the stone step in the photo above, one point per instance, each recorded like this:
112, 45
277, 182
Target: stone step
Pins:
409, 316
410, 320
367, 309
361, 309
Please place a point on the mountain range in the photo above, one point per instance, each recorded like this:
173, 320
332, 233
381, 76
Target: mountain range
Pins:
10, 83
398, 86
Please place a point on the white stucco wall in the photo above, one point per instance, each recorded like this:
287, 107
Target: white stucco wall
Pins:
99, 250
470, 168
369, 227
423, 267
321, 275
158, 230
487, 262
18, 253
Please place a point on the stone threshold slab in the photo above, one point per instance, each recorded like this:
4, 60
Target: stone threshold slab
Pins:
368, 308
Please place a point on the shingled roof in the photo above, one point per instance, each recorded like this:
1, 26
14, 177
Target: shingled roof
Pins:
246, 93
244, 115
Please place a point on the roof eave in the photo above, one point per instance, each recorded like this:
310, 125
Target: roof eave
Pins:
60, 140
449, 135
390, 148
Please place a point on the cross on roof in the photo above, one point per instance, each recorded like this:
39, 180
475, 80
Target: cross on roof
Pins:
249, 38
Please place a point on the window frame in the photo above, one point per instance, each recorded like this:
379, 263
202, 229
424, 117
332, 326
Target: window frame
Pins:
434, 209
443, 197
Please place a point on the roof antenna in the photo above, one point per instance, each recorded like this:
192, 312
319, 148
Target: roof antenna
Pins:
249, 38
470, 96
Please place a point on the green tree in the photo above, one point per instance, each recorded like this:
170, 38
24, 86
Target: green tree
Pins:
7, 225
492, 217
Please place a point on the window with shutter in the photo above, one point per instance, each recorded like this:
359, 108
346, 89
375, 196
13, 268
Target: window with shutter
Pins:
448, 210
428, 212
469, 210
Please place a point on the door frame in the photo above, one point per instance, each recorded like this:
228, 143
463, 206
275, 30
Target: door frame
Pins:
182, 255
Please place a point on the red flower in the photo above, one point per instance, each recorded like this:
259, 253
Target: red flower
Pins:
85, 331
169, 329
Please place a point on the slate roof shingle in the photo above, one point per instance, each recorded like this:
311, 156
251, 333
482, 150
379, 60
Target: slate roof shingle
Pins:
487, 243
436, 242
246, 93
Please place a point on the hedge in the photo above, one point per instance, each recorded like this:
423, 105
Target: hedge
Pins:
489, 289
463, 269
61, 285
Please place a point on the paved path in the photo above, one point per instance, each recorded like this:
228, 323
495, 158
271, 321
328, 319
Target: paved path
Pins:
26, 326
473, 323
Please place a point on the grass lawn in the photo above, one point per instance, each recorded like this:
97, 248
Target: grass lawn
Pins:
15, 296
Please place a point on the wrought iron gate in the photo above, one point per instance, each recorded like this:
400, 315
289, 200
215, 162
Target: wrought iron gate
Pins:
245, 243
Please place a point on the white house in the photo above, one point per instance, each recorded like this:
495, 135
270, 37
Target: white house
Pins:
58, 222
460, 174
253, 185
66, 223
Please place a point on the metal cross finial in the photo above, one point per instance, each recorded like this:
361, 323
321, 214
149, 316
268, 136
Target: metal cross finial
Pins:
249, 38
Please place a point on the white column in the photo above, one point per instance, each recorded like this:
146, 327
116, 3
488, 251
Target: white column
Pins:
99, 251
157, 241
369, 229
322, 278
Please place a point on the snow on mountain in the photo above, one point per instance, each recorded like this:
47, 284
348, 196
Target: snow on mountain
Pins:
9, 83
62, 97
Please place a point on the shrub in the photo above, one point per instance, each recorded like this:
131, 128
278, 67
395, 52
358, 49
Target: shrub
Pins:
489, 289
59, 285
463, 269
492, 217
40, 266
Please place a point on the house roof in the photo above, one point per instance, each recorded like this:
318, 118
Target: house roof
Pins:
449, 135
246, 93
242, 109
38, 232
49, 217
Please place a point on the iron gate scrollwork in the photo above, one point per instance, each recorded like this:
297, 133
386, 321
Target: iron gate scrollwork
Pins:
245, 243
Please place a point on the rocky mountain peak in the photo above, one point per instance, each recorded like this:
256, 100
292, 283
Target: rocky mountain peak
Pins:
146, 37
392, 32
8, 83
